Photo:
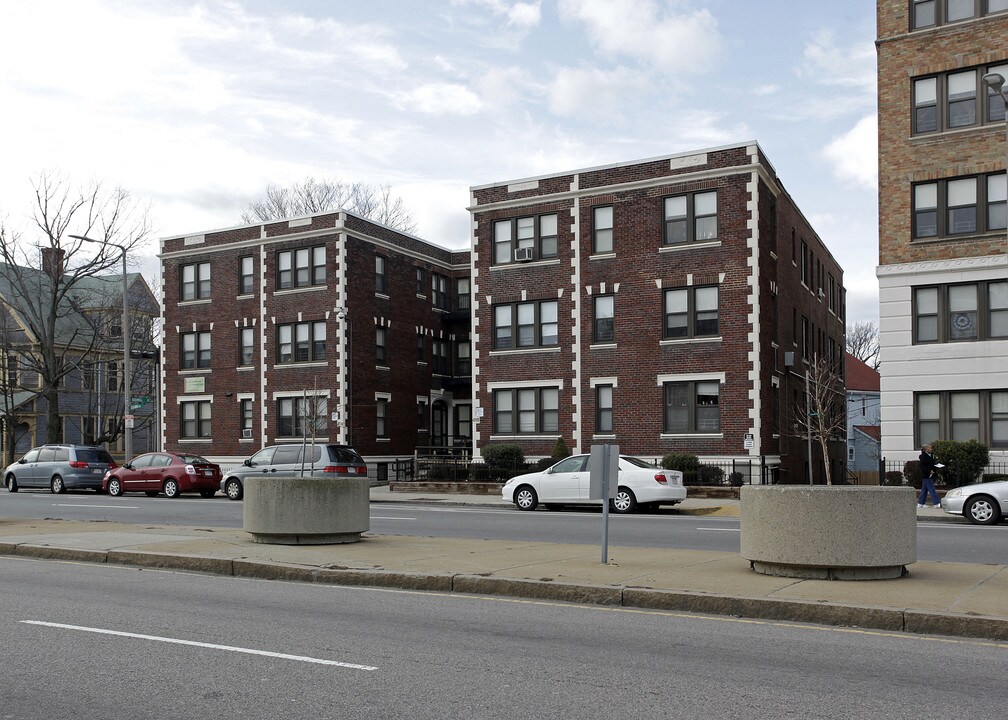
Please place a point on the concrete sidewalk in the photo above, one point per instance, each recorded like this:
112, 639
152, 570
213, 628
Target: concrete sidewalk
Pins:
956, 599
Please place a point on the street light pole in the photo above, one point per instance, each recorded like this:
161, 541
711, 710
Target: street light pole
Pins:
996, 82
127, 380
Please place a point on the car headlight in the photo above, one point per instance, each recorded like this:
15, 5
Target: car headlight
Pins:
954, 492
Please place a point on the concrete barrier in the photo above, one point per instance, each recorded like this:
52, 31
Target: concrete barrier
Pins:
839, 532
306, 510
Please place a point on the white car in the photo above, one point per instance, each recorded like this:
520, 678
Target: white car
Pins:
982, 504
567, 483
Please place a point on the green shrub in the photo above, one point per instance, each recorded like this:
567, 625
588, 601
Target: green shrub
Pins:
504, 461
545, 463
683, 462
895, 477
964, 461
736, 479
911, 472
711, 475
560, 450
993, 477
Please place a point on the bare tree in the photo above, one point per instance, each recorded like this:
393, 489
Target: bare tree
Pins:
821, 415
863, 342
11, 388
374, 202
44, 299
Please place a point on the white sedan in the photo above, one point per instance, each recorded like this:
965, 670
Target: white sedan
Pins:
567, 483
981, 504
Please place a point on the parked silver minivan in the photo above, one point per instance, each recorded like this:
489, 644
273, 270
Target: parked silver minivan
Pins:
294, 460
59, 468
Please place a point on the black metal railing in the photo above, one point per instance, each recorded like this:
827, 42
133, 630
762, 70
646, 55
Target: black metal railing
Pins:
907, 472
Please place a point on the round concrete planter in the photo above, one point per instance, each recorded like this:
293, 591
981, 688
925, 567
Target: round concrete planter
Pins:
306, 510
839, 532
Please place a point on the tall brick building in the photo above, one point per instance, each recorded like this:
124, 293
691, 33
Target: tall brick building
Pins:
329, 322
942, 198
669, 304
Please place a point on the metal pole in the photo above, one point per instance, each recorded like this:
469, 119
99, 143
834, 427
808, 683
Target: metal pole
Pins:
808, 423
127, 379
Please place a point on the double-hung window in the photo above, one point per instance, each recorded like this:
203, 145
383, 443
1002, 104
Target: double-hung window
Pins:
381, 349
195, 281
439, 291
525, 325
526, 238
301, 342
246, 347
691, 312
381, 280
420, 287
245, 416
604, 319
439, 357
526, 411
953, 100
195, 419
303, 267
691, 218
692, 407
930, 13
195, 350
603, 408
602, 229
301, 416
246, 280
381, 413
961, 312
960, 206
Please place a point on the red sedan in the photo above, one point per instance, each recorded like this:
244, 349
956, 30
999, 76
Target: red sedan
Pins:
165, 472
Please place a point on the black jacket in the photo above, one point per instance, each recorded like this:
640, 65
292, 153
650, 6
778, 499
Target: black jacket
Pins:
927, 464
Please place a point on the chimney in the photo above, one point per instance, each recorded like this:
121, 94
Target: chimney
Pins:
52, 261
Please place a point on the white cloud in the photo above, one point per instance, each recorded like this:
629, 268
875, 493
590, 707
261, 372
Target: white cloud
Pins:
764, 90
442, 99
672, 40
854, 155
598, 94
521, 15
827, 64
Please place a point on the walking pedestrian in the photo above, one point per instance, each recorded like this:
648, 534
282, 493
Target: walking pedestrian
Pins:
927, 468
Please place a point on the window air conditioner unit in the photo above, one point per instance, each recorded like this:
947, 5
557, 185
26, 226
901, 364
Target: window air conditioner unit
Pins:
523, 254
247, 433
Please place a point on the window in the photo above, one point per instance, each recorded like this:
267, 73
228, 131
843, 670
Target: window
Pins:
382, 414
420, 281
463, 422
806, 337
302, 416
381, 282
526, 411
535, 236
463, 364
439, 291
195, 281
602, 229
804, 263
604, 319
245, 279
951, 313
421, 413
832, 292
959, 206
603, 408
928, 13
923, 13
381, 352
301, 342
691, 218
955, 100
112, 377
980, 415
245, 416
421, 347
525, 325
195, 419
246, 347
691, 312
299, 268
462, 294
439, 353
195, 350
692, 407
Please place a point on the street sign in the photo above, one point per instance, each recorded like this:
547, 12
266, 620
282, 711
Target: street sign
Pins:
129, 422
603, 482
749, 442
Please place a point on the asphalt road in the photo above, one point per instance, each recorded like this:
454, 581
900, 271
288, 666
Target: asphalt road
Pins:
947, 542
86, 641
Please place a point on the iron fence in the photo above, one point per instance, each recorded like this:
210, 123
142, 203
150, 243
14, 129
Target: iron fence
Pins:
907, 472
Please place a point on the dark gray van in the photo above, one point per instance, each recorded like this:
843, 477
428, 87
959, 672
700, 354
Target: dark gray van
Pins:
59, 468
294, 460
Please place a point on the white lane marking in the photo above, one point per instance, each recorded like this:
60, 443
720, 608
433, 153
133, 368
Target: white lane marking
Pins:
124, 507
211, 646
721, 529
382, 517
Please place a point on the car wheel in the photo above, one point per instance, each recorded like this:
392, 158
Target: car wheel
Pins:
526, 498
115, 487
11, 483
171, 488
982, 510
624, 502
56, 485
207, 493
151, 493
233, 489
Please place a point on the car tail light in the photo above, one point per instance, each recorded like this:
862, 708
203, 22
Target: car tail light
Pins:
362, 470
660, 477
78, 464
335, 469
112, 465
190, 470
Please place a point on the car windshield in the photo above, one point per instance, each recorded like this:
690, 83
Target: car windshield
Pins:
345, 455
194, 459
638, 462
93, 455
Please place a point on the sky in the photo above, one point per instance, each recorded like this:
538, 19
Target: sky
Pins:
195, 107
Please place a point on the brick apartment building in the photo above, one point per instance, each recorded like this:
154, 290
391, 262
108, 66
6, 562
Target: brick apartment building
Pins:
669, 304
942, 224
331, 323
